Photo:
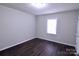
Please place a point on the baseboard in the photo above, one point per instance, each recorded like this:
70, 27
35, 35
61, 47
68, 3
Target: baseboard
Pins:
17, 44
33, 38
59, 42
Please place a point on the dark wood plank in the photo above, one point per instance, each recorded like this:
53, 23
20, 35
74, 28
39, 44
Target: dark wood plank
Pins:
39, 47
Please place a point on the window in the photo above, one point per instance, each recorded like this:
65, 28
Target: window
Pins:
51, 26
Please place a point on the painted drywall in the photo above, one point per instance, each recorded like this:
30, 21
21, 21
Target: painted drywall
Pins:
77, 36
15, 27
66, 27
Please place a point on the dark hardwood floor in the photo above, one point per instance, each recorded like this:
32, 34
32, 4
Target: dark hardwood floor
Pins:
39, 47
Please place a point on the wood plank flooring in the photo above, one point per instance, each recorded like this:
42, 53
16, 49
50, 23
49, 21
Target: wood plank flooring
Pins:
39, 47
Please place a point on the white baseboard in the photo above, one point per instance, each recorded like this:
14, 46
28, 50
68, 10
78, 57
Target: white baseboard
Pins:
59, 42
16, 44
33, 38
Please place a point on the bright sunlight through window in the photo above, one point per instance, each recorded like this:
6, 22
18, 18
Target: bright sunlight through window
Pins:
51, 26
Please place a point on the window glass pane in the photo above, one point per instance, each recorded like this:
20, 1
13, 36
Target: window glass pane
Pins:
51, 26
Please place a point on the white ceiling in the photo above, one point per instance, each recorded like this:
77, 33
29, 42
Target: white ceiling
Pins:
50, 8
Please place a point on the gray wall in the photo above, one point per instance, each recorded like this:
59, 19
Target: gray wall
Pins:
15, 27
66, 27
77, 37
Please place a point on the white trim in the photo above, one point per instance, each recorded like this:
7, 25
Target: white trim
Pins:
33, 38
17, 44
59, 42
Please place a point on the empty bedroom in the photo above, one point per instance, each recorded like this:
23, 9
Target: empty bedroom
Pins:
39, 29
